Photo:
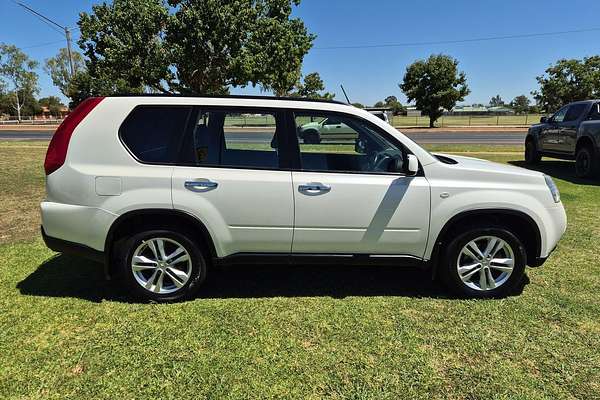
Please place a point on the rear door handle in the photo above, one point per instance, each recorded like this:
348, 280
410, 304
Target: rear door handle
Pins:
314, 188
200, 186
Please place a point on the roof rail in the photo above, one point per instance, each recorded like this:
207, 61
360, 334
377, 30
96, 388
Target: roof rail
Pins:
229, 96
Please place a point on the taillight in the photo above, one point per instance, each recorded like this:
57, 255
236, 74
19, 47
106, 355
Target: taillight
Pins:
57, 150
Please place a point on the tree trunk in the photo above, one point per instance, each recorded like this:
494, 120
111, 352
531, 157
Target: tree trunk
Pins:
18, 107
431, 122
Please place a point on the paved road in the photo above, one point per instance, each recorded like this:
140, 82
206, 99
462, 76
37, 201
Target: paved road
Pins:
437, 137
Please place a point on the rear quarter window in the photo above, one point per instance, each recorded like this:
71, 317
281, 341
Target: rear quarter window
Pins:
153, 134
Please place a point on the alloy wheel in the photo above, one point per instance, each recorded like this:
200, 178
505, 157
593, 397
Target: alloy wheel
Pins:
161, 265
485, 263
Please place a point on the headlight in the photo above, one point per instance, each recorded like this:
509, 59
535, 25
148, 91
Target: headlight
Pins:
553, 189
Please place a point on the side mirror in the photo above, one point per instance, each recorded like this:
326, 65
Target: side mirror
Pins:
412, 164
543, 120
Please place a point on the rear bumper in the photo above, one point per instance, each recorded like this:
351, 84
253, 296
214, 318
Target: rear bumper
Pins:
66, 247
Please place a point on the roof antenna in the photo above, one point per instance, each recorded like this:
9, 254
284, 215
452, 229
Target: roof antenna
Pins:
347, 99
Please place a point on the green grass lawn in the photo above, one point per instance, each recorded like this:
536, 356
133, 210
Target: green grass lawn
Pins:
295, 332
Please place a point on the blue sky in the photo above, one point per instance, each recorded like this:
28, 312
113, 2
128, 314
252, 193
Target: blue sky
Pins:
505, 67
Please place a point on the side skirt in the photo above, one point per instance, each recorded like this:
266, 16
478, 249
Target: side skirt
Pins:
322, 259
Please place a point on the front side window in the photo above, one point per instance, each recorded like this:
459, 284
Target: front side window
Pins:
154, 133
237, 138
575, 111
331, 142
560, 114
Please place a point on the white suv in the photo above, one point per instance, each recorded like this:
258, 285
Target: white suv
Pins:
161, 188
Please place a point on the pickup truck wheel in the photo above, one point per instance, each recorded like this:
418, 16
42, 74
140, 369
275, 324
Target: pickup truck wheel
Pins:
312, 137
484, 263
161, 265
532, 156
586, 165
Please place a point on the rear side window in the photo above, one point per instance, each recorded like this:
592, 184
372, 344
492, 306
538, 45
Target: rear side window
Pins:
238, 138
575, 111
154, 133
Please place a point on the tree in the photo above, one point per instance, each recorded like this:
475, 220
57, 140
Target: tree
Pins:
520, 104
435, 84
358, 105
496, 101
312, 87
394, 104
379, 104
53, 103
60, 71
17, 72
192, 46
568, 81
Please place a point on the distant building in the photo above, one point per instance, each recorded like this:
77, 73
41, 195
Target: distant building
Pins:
45, 114
411, 111
479, 110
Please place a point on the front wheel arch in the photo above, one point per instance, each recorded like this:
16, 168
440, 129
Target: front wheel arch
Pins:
525, 227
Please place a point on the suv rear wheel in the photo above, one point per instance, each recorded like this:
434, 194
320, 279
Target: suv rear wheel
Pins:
161, 265
484, 263
586, 165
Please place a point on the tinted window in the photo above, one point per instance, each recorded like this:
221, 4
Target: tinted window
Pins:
153, 133
595, 112
575, 111
237, 139
350, 145
560, 114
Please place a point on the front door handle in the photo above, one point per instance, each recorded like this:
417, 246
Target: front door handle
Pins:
314, 188
200, 186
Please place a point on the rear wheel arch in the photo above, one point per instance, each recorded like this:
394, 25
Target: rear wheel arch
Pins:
137, 221
518, 222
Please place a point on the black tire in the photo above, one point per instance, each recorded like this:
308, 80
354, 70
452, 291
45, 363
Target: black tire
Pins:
449, 263
586, 165
532, 155
312, 137
125, 250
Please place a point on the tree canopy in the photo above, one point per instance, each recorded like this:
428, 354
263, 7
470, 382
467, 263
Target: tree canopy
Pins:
192, 46
311, 88
59, 70
18, 76
496, 101
520, 104
568, 81
435, 84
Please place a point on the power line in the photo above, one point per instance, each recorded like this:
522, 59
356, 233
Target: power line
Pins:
42, 44
482, 39
51, 23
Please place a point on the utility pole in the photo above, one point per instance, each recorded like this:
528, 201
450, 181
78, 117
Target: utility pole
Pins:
64, 28
69, 51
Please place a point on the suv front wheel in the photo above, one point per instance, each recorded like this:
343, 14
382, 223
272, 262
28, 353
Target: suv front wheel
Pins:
161, 265
484, 263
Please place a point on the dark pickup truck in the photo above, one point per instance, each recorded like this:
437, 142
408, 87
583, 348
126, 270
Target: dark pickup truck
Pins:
572, 133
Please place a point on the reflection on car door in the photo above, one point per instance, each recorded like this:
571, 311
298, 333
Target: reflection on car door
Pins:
346, 202
567, 134
550, 131
234, 183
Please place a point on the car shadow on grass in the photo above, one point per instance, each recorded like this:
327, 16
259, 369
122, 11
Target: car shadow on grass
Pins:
560, 169
66, 276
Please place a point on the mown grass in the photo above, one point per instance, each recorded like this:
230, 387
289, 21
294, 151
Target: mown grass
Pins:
295, 332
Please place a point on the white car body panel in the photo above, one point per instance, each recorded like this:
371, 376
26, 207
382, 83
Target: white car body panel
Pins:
362, 213
249, 210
